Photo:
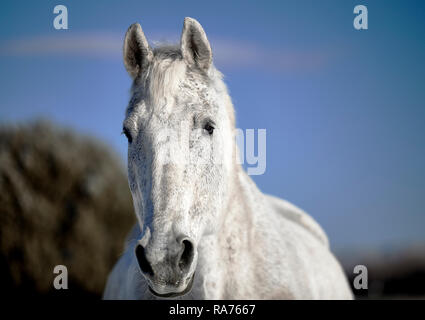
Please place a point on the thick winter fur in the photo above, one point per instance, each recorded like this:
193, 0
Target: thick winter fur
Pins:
187, 186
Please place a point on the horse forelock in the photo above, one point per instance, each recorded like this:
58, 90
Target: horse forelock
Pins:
166, 75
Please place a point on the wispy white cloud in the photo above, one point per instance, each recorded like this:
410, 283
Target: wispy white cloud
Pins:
252, 55
85, 44
227, 53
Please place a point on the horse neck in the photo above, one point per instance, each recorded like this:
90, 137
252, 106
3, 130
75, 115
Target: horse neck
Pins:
237, 206
238, 218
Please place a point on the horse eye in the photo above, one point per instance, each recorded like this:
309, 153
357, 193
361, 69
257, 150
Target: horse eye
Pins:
209, 128
127, 134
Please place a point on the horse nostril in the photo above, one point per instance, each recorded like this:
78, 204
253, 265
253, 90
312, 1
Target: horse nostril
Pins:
143, 262
187, 255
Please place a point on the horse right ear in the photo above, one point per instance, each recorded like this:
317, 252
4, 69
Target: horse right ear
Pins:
137, 53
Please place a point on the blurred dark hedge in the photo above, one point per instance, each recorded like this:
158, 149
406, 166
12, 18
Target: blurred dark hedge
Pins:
64, 199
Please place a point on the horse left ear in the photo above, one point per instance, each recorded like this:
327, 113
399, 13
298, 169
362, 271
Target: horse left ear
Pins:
137, 53
195, 46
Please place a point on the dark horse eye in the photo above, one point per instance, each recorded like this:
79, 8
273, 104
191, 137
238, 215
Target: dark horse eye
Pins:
127, 134
209, 128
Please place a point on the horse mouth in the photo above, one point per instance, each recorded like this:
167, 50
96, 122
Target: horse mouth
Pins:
174, 294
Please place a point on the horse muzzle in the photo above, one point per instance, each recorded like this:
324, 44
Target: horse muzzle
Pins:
172, 275
173, 294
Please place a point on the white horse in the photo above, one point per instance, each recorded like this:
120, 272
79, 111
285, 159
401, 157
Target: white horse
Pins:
205, 231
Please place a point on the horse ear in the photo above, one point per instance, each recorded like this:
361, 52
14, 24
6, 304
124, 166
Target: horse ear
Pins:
137, 53
195, 47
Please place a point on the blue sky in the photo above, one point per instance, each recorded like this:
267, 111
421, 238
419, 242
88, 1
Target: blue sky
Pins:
344, 109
